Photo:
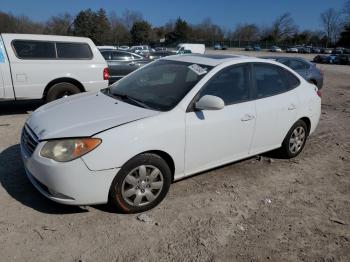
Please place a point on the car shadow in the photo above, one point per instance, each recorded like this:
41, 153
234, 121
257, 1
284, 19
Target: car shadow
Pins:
14, 180
19, 107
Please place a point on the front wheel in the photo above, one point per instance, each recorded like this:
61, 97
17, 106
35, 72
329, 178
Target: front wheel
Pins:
295, 140
141, 184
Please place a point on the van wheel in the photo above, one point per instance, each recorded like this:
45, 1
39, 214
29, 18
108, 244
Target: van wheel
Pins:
141, 184
60, 90
294, 141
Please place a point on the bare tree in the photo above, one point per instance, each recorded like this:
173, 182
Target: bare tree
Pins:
332, 25
120, 34
283, 27
59, 25
346, 11
130, 17
246, 32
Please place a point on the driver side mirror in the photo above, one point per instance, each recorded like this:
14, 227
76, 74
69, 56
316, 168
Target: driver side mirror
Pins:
209, 102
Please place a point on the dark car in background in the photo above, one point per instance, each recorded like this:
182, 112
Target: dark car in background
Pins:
121, 63
315, 50
306, 69
304, 50
325, 59
342, 59
252, 48
219, 47
338, 50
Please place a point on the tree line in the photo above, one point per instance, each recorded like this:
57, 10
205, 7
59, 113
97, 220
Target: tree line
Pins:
131, 28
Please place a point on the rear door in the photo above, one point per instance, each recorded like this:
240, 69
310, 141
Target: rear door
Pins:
276, 105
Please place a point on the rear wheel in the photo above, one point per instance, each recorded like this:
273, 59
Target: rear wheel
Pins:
60, 90
141, 184
295, 140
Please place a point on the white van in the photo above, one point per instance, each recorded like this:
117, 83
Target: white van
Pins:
49, 67
193, 48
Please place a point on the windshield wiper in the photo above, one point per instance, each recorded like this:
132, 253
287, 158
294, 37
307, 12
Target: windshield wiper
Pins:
124, 97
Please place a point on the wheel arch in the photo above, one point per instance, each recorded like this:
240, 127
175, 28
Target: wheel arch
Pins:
62, 80
166, 157
307, 121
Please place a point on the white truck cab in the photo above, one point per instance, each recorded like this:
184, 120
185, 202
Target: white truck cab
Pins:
49, 67
190, 48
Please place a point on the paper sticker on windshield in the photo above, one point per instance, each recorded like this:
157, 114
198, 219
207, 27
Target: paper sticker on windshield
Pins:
198, 69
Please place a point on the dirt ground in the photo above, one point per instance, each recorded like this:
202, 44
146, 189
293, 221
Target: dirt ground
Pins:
260, 209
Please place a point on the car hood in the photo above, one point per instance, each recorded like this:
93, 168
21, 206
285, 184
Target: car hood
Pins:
83, 115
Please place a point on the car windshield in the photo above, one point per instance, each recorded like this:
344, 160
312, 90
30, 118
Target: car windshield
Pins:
160, 85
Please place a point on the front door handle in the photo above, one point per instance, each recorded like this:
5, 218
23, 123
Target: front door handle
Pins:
292, 107
132, 63
247, 117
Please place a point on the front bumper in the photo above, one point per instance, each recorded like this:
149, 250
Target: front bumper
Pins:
69, 183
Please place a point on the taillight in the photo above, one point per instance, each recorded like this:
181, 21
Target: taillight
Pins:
105, 74
319, 93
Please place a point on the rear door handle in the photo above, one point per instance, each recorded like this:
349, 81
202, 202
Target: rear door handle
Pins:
247, 117
292, 107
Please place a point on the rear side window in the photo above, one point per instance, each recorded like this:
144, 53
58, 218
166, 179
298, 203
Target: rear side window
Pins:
121, 56
298, 65
27, 49
292, 79
231, 85
73, 51
270, 80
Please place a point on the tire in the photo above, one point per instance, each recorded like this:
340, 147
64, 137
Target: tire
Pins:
130, 193
60, 90
294, 141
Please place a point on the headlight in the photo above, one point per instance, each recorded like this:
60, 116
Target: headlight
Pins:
65, 150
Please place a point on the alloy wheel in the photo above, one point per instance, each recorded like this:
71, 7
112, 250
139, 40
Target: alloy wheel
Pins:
297, 139
142, 185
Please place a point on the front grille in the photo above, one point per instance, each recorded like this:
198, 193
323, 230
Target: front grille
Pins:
29, 140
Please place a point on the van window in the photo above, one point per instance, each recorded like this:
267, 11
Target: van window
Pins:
28, 49
73, 51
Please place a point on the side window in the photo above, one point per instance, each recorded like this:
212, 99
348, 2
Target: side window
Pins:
292, 80
270, 80
231, 85
73, 51
121, 56
27, 49
297, 65
106, 55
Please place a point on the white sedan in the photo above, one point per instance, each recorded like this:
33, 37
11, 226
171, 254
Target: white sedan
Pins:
170, 119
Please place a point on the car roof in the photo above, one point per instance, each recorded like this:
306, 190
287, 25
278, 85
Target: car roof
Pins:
38, 37
206, 59
283, 57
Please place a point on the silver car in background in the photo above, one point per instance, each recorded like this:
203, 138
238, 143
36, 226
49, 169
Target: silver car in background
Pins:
306, 69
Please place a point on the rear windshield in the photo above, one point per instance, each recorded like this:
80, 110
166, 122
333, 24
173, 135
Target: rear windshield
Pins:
30, 49
160, 85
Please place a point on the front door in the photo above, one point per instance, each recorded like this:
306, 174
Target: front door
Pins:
216, 137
